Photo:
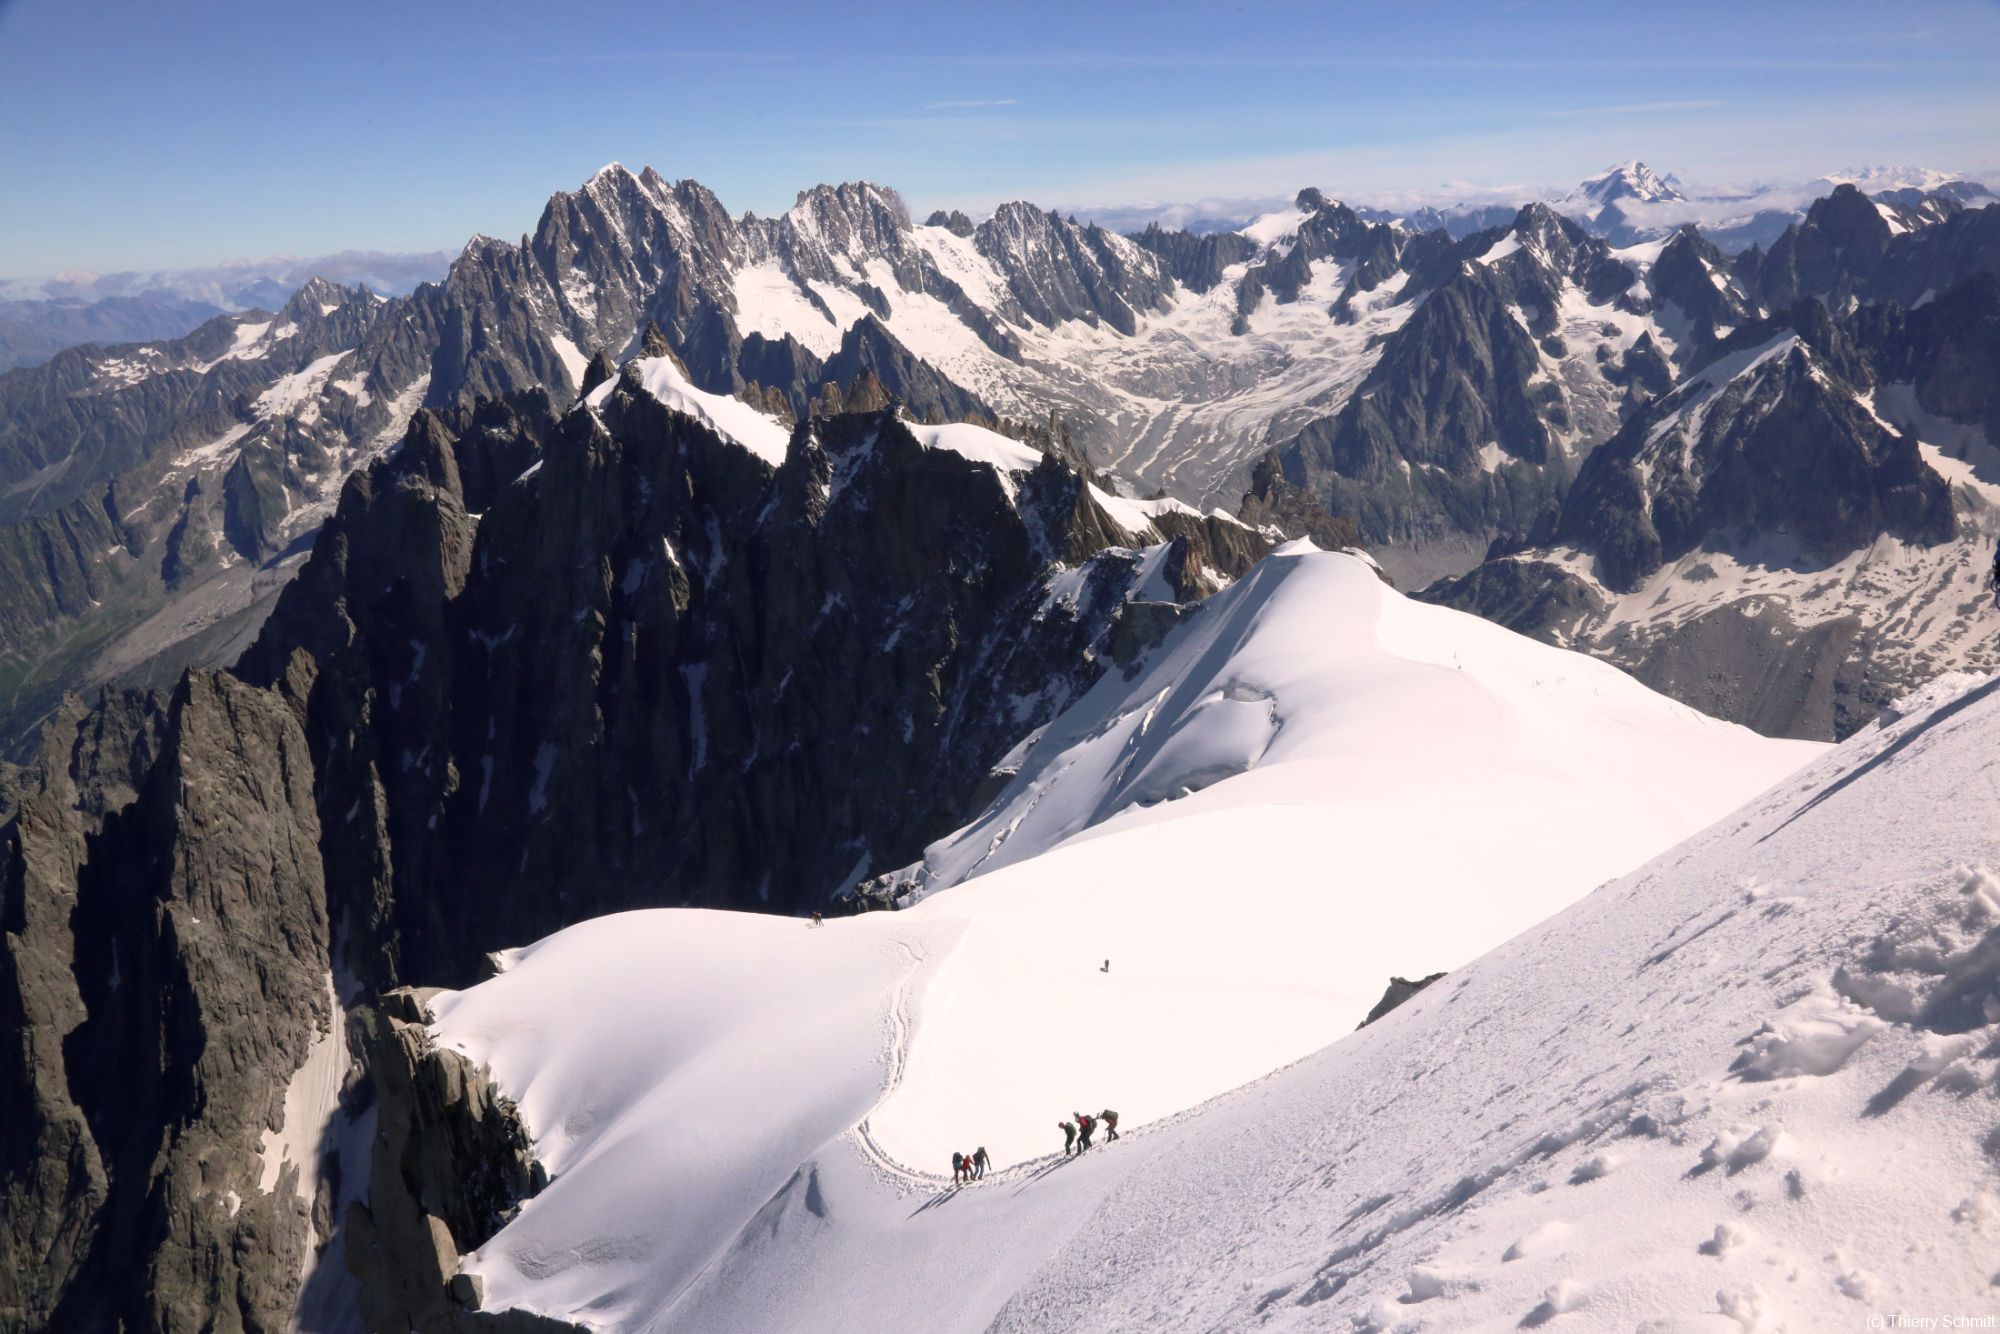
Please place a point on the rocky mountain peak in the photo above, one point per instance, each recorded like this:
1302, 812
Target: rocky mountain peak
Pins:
1058, 269
1848, 217
320, 297
954, 222
849, 208
1541, 225
833, 231
612, 176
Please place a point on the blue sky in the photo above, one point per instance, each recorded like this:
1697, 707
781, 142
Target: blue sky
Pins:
151, 135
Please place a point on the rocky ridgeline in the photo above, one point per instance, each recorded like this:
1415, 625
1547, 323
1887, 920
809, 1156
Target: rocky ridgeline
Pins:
1779, 459
156, 497
538, 667
1479, 411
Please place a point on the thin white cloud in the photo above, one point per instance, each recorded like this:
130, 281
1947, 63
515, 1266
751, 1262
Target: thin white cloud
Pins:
973, 104
1541, 157
1634, 108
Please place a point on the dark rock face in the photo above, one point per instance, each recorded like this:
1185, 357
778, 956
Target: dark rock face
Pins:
1841, 241
1466, 429
1683, 279
451, 1164
1404, 459
137, 477
1195, 261
1844, 251
1399, 990
163, 968
868, 348
1783, 449
1773, 457
1947, 351
633, 641
1275, 502
1329, 230
1059, 271
954, 222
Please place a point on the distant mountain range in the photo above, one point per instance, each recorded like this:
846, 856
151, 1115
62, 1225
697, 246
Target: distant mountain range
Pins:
1436, 393
1625, 203
242, 283
40, 318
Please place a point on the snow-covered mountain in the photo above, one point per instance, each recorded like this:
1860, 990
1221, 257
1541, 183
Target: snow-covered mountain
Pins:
1630, 202
1311, 784
1176, 360
1438, 393
1801, 530
1632, 180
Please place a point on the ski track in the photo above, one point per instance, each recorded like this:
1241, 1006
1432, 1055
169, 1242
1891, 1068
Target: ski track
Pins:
879, 1160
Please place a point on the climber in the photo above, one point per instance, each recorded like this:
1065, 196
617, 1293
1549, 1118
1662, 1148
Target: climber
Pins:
1110, 1120
1085, 1125
957, 1168
979, 1161
1107, 962
1068, 1129
1994, 577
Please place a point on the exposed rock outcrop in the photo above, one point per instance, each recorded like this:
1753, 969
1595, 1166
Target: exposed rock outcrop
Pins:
1754, 542
633, 641
163, 971
1399, 990
452, 1163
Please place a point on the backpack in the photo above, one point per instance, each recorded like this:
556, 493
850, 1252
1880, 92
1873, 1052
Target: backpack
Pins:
1085, 1123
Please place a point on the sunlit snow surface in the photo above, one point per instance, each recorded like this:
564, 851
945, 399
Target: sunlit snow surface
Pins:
1383, 787
731, 418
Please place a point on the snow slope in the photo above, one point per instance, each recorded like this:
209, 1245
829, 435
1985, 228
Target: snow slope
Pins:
1383, 786
731, 418
1749, 1086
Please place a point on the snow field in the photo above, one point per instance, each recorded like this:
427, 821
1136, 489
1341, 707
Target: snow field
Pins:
744, 1115
1319, 784
1746, 1088
676, 1068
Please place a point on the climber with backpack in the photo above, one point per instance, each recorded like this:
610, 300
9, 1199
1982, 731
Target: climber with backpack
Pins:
979, 1161
1068, 1129
957, 1168
1084, 1126
1110, 1120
